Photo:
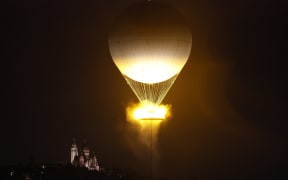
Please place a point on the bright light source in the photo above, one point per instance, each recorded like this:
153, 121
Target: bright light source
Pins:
150, 52
150, 112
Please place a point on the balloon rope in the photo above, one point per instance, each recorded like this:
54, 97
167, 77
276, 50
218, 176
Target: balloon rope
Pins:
151, 151
152, 92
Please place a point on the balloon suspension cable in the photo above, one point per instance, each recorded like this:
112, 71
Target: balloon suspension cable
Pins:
151, 92
151, 151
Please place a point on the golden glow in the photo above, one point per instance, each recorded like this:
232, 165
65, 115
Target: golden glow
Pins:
145, 120
150, 61
148, 111
149, 72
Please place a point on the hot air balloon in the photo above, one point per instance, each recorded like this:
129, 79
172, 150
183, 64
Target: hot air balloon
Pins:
150, 44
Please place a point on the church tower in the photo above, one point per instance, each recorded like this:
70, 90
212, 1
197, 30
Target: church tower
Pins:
97, 168
85, 150
93, 163
74, 150
81, 160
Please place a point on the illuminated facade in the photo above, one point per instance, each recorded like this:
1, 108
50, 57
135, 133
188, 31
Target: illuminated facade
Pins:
83, 158
74, 150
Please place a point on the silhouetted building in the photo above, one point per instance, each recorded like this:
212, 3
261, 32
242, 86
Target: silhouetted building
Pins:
83, 158
74, 150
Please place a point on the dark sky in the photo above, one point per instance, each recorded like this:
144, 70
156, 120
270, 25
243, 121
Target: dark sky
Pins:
229, 107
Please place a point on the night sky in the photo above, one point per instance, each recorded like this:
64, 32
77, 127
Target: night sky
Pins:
58, 82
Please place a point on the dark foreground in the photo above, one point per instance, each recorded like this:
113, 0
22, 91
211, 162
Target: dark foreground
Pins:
63, 172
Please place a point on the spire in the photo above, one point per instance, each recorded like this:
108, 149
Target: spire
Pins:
74, 150
74, 145
85, 150
84, 141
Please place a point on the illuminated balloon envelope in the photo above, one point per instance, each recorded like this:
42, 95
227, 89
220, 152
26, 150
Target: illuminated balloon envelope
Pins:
150, 45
